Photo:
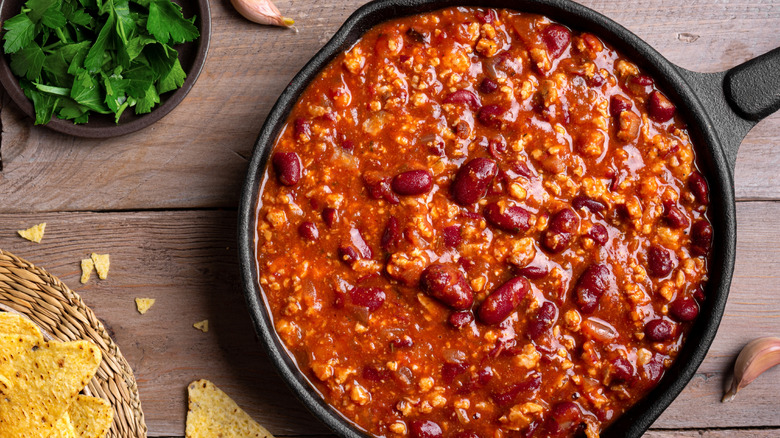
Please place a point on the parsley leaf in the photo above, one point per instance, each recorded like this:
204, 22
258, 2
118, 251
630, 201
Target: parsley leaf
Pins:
94, 60
87, 92
173, 80
167, 24
28, 61
20, 31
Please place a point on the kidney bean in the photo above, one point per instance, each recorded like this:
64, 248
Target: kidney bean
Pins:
698, 187
660, 261
371, 298
391, 237
512, 219
599, 234
418, 36
374, 373
403, 342
448, 285
654, 369
503, 301
559, 233
360, 244
348, 254
556, 38
581, 202
491, 116
451, 236
308, 231
521, 168
531, 384
302, 126
659, 330
487, 16
566, 221
472, 180
659, 107
449, 371
488, 86
460, 319
330, 216
698, 293
413, 182
622, 370
618, 104
533, 272
348, 145
564, 416
379, 188
464, 97
556, 242
543, 321
641, 85
684, 309
593, 283
425, 429
674, 216
701, 237
288, 167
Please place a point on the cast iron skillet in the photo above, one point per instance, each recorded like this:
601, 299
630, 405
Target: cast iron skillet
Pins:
720, 109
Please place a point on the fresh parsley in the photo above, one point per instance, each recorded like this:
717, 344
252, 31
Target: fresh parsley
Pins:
76, 57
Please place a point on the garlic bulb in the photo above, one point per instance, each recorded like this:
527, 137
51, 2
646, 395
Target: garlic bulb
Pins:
262, 12
757, 356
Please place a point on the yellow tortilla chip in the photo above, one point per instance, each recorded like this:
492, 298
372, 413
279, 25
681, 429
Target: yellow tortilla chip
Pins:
143, 304
35, 233
91, 416
13, 324
45, 378
63, 428
102, 263
202, 326
86, 269
213, 414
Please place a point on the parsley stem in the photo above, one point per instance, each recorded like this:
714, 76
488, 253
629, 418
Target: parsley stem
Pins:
61, 35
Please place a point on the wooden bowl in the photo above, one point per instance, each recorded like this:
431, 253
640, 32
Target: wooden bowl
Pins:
192, 56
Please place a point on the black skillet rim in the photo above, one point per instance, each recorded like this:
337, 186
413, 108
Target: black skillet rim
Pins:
710, 157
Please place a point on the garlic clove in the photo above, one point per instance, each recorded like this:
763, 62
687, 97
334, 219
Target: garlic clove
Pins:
262, 12
757, 356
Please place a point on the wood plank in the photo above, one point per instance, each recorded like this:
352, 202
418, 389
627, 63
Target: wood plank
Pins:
203, 144
187, 261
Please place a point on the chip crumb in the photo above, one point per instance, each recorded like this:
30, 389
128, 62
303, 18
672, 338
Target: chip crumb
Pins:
102, 263
35, 233
202, 326
87, 265
144, 304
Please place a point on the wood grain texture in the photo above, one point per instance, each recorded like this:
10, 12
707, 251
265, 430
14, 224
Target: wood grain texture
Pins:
197, 155
187, 261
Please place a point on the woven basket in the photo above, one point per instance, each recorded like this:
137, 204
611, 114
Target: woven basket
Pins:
62, 316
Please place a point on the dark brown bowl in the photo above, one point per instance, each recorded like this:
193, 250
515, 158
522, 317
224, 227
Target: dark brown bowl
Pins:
192, 56
720, 109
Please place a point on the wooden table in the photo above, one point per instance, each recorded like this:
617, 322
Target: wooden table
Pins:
163, 203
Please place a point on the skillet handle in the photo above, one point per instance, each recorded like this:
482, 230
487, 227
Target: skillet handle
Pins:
739, 98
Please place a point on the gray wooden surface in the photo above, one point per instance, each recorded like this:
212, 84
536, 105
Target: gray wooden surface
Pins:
163, 203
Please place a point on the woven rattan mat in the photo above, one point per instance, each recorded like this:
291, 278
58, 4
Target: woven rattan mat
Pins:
61, 315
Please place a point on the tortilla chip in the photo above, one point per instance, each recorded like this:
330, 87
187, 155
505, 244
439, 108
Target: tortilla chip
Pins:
213, 414
91, 416
13, 324
102, 263
86, 269
143, 304
202, 326
34, 234
63, 428
45, 379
